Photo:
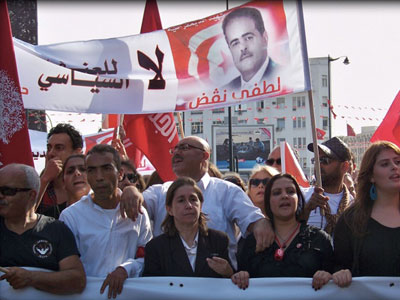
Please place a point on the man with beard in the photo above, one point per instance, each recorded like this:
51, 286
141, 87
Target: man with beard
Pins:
225, 204
333, 197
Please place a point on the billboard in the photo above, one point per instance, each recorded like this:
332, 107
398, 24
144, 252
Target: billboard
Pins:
251, 145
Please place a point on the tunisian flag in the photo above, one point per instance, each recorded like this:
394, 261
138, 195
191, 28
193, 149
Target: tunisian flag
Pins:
389, 130
15, 146
153, 134
291, 166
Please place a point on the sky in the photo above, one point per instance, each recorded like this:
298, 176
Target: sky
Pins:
368, 32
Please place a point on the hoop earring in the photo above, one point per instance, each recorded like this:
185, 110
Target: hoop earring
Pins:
372, 192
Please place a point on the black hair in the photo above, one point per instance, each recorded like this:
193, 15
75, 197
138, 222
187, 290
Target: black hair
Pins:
74, 135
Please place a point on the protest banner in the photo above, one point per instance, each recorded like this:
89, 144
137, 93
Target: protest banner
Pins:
184, 288
185, 67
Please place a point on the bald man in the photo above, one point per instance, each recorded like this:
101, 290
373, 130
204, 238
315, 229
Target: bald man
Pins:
224, 203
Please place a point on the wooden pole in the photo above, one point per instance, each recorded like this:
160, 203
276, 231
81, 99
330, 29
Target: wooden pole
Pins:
317, 166
180, 125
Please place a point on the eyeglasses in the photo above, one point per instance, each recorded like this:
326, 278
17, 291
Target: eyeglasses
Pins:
10, 191
256, 182
271, 161
184, 147
324, 160
131, 177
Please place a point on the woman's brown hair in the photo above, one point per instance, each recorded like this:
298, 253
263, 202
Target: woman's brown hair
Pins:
357, 216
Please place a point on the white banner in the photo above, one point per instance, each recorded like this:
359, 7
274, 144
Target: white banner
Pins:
185, 288
186, 67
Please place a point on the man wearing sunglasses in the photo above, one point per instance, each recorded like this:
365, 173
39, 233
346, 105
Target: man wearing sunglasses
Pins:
33, 240
274, 158
224, 203
130, 177
333, 196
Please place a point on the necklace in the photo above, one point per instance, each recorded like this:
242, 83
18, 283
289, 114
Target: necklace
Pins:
279, 253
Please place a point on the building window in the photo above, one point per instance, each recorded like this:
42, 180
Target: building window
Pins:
324, 101
196, 112
299, 122
243, 121
218, 110
304, 141
294, 104
260, 121
299, 144
294, 122
280, 124
281, 140
325, 123
303, 122
260, 105
240, 108
294, 142
197, 127
280, 102
324, 80
218, 122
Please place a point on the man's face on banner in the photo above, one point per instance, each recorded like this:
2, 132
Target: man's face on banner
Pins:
248, 46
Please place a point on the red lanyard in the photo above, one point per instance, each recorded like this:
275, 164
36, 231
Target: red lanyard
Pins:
279, 253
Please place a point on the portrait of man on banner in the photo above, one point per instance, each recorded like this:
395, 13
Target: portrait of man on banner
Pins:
247, 40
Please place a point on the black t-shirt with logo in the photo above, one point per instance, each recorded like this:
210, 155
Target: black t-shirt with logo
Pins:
43, 246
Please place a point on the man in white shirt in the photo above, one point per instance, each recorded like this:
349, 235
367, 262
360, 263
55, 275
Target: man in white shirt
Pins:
224, 203
109, 244
334, 196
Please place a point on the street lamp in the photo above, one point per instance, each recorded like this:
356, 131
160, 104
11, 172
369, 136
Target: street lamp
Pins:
346, 61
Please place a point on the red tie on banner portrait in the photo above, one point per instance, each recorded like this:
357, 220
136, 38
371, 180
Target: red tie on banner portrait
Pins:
15, 145
150, 134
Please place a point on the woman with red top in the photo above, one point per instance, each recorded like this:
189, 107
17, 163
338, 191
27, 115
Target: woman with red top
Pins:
299, 250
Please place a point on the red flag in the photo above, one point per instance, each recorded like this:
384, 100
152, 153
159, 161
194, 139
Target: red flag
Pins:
153, 134
15, 146
389, 130
104, 137
320, 134
350, 131
291, 166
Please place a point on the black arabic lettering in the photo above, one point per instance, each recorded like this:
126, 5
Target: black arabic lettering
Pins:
158, 82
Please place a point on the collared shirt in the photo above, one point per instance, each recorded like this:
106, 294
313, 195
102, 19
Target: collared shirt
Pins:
249, 85
191, 251
224, 204
105, 240
315, 218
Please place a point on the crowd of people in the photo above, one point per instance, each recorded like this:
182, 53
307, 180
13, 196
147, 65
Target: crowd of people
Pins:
95, 215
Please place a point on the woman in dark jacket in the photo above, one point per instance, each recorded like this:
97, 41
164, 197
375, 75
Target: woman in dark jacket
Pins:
187, 247
299, 250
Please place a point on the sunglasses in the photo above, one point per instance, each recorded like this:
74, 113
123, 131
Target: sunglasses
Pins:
256, 182
183, 147
132, 178
324, 160
10, 191
271, 161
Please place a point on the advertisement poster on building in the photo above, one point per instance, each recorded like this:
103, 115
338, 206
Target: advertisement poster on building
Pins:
251, 145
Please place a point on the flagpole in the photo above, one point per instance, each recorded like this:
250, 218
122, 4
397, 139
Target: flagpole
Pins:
317, 166
231, 163
180, 125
